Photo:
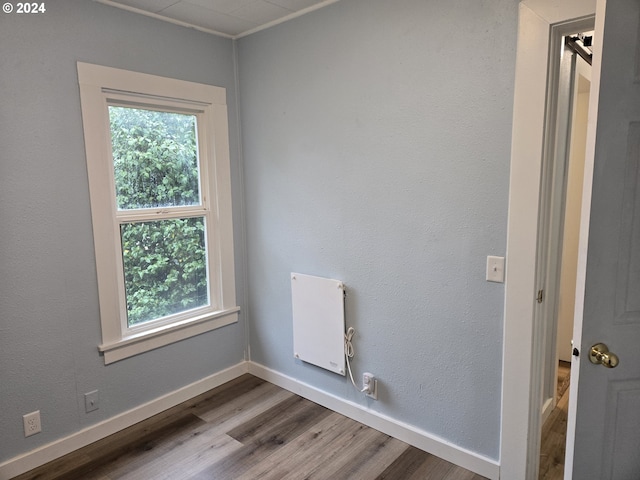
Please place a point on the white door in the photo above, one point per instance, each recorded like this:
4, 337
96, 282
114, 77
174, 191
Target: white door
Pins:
607, 414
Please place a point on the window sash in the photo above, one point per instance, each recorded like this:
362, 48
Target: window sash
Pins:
202, 145
139, 107
139, 215
215, 303
211, 305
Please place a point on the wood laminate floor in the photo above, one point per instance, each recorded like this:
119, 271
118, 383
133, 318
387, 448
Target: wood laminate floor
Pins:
249, 429
554, 430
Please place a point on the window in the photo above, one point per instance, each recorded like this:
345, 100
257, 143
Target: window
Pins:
158, 164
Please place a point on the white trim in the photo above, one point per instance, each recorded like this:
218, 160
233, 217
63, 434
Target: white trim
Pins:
100, 87
150, 339
215, 32
164, 19
27, 461
554, 11
430, 443
126, 81
526, 164
547, 407
521, 390
407, 433
291, 16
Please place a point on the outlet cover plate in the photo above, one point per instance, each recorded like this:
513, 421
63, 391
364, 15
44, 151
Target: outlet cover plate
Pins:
372, 381
91, 402
32, 423
495, 269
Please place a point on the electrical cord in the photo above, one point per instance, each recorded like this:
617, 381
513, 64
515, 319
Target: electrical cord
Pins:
349, 353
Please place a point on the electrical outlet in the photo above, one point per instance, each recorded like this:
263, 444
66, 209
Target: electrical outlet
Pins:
31, 423
370, 385
91, 401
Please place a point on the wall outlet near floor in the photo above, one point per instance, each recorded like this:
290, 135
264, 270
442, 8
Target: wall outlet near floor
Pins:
91, 402
370, 385
32, 423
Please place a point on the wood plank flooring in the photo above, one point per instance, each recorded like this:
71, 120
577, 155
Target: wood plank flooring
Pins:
554, 431
249, 429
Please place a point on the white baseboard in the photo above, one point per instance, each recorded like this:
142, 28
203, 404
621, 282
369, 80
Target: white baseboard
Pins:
25, 462
547, 408
407, 433
472, 461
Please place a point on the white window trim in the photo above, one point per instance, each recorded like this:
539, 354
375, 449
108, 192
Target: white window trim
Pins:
97, 85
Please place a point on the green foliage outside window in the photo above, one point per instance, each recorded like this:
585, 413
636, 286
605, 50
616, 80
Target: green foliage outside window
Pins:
156, 165
155, 158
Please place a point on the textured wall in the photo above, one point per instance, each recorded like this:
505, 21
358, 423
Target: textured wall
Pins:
376, 140
49, 318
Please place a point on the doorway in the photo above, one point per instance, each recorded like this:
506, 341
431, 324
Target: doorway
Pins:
523, 351
564, 178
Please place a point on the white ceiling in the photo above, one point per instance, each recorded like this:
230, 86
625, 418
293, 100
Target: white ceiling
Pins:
228, 18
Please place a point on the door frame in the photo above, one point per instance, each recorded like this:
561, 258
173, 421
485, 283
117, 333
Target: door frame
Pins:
552, 203
523, 352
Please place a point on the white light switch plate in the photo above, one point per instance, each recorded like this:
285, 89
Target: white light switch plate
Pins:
495, 269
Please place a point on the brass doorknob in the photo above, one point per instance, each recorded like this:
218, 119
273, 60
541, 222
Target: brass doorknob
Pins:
600, 354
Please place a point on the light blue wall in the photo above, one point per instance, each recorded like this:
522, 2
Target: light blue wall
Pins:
49, 319
376, 139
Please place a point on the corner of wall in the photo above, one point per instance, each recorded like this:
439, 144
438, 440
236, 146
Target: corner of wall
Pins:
242, 207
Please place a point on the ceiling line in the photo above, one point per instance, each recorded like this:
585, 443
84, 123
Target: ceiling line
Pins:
215, 32
163, 18
285, 18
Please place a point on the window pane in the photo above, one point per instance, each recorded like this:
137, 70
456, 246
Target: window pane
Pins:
155, 158
164, 267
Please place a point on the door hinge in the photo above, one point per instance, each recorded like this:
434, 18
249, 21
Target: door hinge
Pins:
540, 296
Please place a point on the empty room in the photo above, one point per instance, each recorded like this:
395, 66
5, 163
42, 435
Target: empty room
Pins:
313, 239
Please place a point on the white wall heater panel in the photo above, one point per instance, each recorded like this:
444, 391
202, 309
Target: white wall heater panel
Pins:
318, 321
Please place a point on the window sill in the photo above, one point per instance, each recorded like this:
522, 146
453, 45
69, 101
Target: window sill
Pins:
161, 336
